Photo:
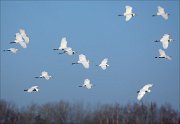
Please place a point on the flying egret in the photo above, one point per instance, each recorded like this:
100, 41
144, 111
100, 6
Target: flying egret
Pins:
63, 44
165, 40
128, 13
44, 75
104, 64
24, 36
68, 51
82, 60
13, 50
161, 12
143, 91
87, 84
19, 39
32, 89
162, 54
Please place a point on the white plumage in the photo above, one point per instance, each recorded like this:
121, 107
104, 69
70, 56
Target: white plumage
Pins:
63, 44
161, 12
104, 64
165, 40
19, 39
83, 60
44, 75
128, 13
13, 50
32, 89
24, 36
87, 83
143, 91
162, 54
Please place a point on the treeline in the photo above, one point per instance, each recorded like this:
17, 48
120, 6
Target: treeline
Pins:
65, 113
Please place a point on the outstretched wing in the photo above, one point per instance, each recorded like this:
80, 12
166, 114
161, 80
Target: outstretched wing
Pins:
104, 61
63, 43
82, 57
146, 87
86, 82
165, 16
165, 44
128, 17
23, 44
140, 95
128, 9
85, 64
24, 36
44, 73
162, 53
160, 10
19, 37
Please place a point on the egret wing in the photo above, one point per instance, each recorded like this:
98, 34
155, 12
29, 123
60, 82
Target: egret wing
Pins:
128, 17
140, 95
146, 87
165, 44
165, 16
160, 10
85, 64
104, 61
63, 43
162, 53
23, 44
24, 36
44, 73
168, 57
128, 9
13, 50
82, 57
86, 82
19, 37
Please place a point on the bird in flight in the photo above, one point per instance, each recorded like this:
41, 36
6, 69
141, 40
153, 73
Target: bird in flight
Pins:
104, 64
13, 50
128, 13
165, 40
82, 60
32, 89
143, 91
87, 83
161, 12
44, 75
162, 54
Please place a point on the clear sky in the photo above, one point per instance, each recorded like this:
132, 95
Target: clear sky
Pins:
96, 30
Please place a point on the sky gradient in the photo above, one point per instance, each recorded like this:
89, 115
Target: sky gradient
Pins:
95, 30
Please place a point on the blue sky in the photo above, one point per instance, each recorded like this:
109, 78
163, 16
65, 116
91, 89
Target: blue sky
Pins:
93, 29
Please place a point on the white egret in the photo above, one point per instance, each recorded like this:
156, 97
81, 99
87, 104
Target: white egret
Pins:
162, 54
104, 64
68, 51
44, 75
161, 12
82, 60
13, 50
32, 89
165, 40
63, 44
143, 91
24, 36
128, 13
19, 39
87, 84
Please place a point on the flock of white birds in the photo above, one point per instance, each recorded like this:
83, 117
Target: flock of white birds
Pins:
23, 39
